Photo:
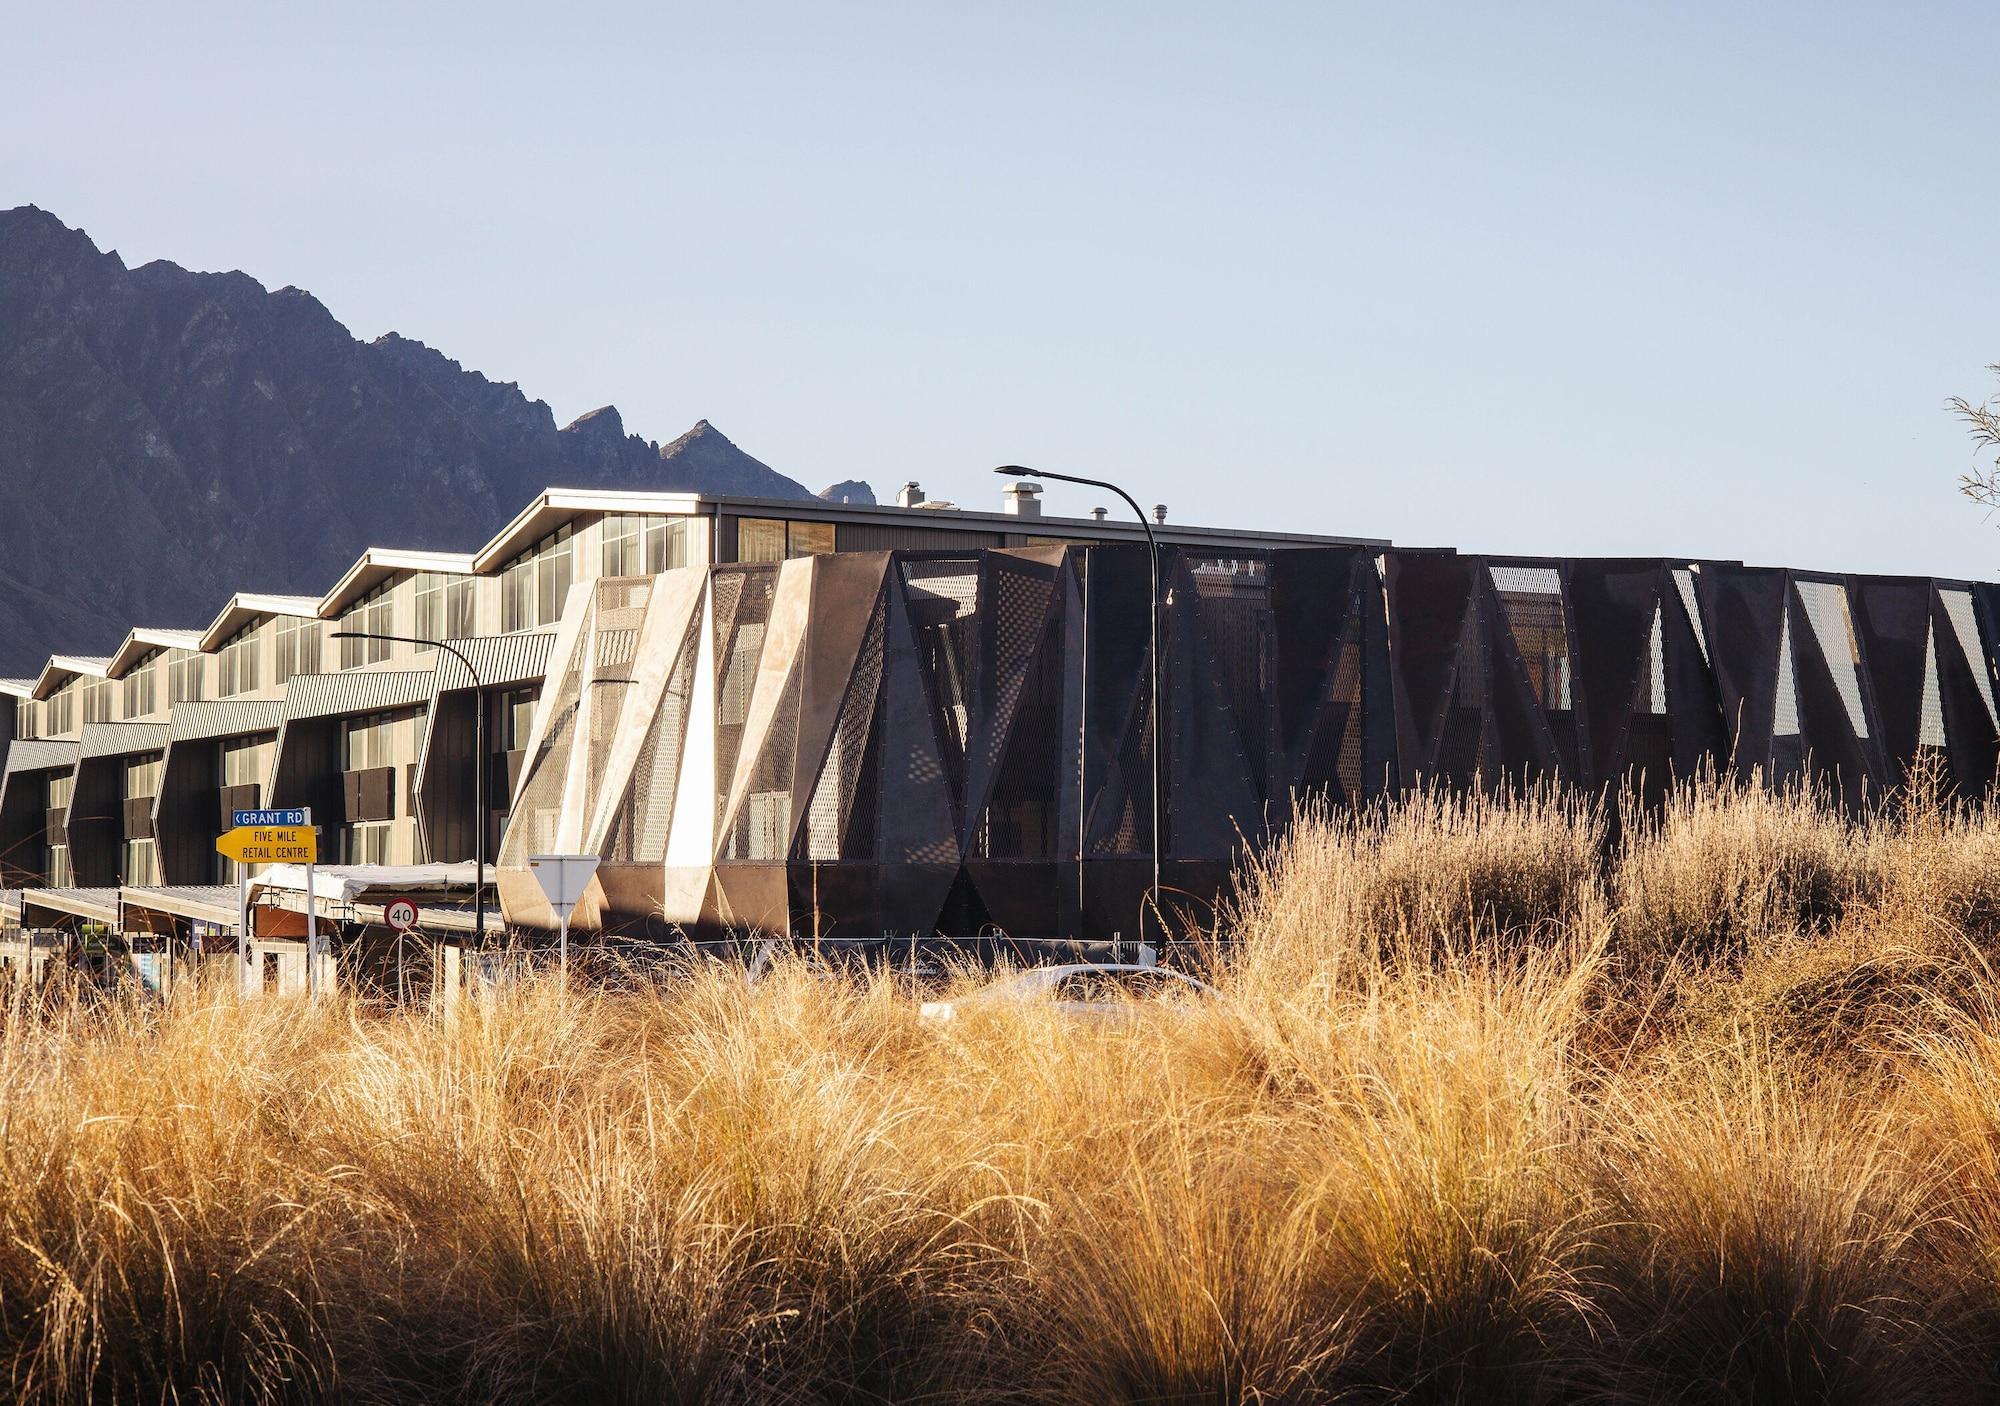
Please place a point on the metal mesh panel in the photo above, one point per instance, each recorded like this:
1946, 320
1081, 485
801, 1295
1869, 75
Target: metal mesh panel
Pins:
1785, 713
1684, 585
1234, 601
532, 828
1833, 627
739, 641
1930, 720
614, 644
943, 599
1335, 757
1130, 830
1958, 609
1531, 600
1021, 604
1653, 688
763, 824
1019, 821
640, 831
840, 775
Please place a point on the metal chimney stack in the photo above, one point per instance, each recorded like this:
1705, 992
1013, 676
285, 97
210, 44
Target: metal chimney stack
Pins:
1022, 500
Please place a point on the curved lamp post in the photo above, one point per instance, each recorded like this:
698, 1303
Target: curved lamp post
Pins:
1153, 620
478, 767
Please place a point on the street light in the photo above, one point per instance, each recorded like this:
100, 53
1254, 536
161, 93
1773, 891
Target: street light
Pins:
478, 768
1153, 620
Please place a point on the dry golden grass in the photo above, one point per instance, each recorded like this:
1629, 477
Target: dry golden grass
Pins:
1496, 1109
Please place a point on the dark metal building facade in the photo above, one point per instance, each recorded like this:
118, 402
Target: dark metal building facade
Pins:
916, 742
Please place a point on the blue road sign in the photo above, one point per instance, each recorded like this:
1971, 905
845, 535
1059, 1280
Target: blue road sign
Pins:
272, 817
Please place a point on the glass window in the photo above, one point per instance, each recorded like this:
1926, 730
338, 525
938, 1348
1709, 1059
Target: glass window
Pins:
460, 608
808, 539
297, 648
535, 584
244, 760
141, 687
365, 844
62, 709
24, 717
98, 701
372, 615
142, 863
380, 739
760, 539
444, 606
186, 676
666, 543
517, 718
366, 743
238, 666
430, 606
624, 547
142, 776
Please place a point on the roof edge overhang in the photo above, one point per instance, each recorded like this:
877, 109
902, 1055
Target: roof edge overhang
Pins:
141, 641
247, 606
62, 667
378, 564
553, 507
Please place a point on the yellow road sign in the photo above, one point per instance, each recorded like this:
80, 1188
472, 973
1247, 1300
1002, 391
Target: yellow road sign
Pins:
271, 844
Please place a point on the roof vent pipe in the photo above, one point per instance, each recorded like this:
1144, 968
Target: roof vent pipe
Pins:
1097, 514
1022, 500
911, 495
1159, 512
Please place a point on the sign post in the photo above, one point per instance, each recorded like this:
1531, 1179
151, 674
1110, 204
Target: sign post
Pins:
273, 837
563, 878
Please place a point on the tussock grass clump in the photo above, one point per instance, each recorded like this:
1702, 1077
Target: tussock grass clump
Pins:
1494, 1108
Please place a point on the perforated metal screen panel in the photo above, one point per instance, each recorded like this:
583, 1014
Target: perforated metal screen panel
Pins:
939, 740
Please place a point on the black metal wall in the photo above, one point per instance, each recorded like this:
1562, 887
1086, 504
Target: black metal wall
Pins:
962, 741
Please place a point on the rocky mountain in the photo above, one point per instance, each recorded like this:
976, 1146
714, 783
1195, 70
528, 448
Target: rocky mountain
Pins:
849, 490
168, 437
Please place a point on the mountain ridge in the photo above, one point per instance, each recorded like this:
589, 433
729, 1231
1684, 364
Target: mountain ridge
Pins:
168, 436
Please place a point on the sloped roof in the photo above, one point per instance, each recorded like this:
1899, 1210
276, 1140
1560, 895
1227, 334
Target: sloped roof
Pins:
142, 640
378, 564
247, 606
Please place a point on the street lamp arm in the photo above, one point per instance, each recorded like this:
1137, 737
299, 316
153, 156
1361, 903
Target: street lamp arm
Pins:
1153, 631
450, 649
478, 765
1017, 471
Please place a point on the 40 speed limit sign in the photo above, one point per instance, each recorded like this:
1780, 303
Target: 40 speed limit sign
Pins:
400, 914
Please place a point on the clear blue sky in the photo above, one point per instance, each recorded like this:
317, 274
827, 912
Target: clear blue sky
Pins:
1582, 279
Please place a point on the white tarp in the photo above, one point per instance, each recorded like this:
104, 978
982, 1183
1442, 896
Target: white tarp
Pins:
343, 883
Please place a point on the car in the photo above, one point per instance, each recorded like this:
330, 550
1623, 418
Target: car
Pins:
1083, 989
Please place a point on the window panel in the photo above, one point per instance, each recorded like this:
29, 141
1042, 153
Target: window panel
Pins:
760, 539
809, 539
373, 614
297, 648
186, 676
666, 544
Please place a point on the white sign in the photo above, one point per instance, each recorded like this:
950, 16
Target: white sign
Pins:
401, 914
563, 878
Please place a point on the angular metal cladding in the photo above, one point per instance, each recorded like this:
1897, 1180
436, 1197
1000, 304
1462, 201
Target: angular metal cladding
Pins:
915, 742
